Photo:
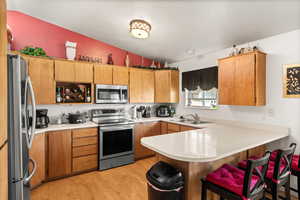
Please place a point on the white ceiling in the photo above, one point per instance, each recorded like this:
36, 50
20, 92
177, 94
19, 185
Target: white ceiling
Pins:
177, 26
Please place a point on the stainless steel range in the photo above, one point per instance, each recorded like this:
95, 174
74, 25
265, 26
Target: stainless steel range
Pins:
116, 138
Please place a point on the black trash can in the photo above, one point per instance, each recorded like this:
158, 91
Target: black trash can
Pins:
165, 182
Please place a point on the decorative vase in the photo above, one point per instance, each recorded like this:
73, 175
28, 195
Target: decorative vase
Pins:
127, 61
71, 50
153, 64
9, 38
109, 59
166, 65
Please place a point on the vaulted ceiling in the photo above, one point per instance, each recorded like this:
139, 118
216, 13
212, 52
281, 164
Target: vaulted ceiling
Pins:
179, 28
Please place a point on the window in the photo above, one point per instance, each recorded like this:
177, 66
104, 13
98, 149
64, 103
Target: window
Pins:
202, 98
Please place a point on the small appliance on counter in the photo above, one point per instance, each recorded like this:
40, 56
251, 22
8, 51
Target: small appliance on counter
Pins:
165, 111
77, 118
147, 112
42, 120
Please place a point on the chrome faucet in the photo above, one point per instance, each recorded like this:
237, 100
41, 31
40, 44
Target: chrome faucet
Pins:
196, 117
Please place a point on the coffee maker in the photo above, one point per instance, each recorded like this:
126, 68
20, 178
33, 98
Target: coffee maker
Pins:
42, 120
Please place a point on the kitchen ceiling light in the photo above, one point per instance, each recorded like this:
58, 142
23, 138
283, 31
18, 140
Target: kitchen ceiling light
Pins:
139, 28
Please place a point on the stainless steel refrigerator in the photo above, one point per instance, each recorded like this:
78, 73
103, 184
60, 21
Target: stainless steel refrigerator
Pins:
21, 128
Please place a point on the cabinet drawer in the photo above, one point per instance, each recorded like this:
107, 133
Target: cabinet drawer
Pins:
85, 132
85, 163
84, 141
173, 128
85, 150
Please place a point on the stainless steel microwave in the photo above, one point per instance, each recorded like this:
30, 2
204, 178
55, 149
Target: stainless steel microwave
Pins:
111, 94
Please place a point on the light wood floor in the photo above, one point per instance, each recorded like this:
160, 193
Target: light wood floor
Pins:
123, 183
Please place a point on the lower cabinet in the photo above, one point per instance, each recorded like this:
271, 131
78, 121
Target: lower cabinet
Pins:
173, 128
72, 151
38, 154
59, 153
145, 130
187, 128
84, 149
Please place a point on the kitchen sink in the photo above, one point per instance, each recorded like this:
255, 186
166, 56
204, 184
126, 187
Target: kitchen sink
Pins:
190, 121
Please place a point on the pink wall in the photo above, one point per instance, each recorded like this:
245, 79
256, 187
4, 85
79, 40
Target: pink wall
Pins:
31, 31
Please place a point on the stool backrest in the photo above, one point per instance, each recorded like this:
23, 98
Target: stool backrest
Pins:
256, 168
283, 163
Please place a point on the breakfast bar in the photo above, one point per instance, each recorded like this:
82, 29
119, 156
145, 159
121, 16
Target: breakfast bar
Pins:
198, 152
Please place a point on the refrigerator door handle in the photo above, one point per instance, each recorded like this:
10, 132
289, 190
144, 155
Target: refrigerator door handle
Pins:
30, 132
31, 137
29, 177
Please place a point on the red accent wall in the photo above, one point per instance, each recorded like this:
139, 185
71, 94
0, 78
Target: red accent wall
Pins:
30, 31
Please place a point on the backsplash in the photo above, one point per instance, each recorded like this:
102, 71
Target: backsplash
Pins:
56, 110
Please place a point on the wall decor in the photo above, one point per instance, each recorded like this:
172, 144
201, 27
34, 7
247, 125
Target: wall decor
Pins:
109, 59
291, 81
33, 51
127, 61
70, 50
89, 59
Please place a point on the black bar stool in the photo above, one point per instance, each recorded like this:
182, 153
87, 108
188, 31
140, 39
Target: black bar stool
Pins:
232, 183
279, 171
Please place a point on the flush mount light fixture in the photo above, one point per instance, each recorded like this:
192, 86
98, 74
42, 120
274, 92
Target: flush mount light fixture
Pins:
139, 28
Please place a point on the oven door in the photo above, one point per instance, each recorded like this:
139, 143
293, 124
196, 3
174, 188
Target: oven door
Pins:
111, 94
116, 141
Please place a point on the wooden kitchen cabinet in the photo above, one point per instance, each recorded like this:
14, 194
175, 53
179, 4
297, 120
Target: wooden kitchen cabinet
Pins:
41, 72
173, 128
141, 86
38, 154
135, 85
164, 127
103, 74
4, 172
242, 79
144, 130
84, 149
187, 128
83, 72
148, 86
166, 86
120, 75
59, 153
64, 71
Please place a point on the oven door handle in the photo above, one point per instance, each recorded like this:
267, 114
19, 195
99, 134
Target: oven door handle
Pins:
115, 128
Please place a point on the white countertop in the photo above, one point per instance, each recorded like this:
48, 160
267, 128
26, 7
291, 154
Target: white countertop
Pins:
214, 142
59, 127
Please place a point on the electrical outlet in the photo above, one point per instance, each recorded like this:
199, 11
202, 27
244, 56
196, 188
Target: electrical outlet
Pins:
271, 112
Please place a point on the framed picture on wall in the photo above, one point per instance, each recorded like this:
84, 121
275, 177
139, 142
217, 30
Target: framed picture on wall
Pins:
291, 81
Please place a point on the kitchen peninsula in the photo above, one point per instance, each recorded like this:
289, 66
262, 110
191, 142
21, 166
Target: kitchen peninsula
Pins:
200, 151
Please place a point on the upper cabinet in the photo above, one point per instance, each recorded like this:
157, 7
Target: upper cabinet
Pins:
70, 71
166, 86
41, 72
103, 74
120, 75
64, 71
83, 72
242, 79
111, 75
141, 87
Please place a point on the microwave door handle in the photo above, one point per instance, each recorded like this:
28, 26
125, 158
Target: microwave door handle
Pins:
33, 113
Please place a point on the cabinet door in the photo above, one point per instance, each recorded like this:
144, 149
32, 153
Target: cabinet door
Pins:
174, 96
173, 128
38, 154
136, 86
103, 74
83, 72
147, 86
164, 127
41, 72
244, 80
145, 130
162, 86
3, 173
64, 71
59, 153
226, 74
120, 75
